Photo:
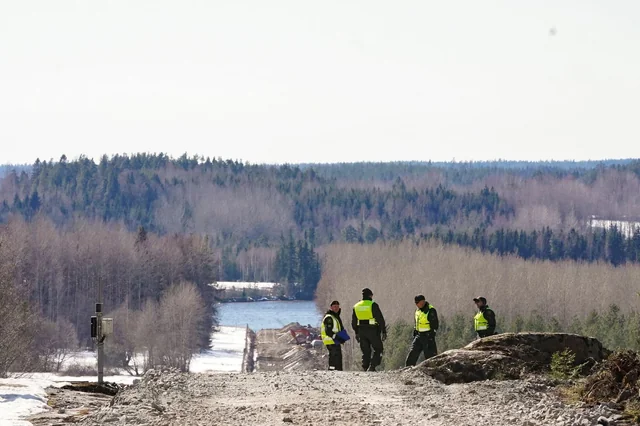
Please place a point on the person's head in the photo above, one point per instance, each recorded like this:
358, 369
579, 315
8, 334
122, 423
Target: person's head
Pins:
335, 306
367, 293
481, 302
420, 301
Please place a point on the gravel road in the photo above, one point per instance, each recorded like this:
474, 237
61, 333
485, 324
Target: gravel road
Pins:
338, 398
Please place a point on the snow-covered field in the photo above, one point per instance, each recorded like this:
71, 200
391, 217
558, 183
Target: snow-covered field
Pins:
626, 227
24, 395
229, 285
225, 354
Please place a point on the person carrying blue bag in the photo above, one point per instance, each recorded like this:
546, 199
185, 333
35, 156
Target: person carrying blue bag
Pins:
333, 335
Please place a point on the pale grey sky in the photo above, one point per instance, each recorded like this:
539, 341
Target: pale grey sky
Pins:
301, 81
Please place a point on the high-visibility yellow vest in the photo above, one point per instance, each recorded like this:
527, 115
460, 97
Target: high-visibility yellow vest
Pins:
422, 320
480, 322
364, 312
336, 328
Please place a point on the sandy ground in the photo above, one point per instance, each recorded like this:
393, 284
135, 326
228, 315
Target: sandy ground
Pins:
290, 385
337, 398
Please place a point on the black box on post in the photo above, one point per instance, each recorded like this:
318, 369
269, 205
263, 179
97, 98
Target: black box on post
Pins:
94, 326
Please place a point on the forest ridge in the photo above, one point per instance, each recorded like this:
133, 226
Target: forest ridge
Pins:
249, 213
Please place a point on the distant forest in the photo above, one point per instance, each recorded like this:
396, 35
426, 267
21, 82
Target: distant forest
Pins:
271, 223
459, 172
7, 168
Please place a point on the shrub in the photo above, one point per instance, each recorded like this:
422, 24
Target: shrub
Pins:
397, 345
563, 364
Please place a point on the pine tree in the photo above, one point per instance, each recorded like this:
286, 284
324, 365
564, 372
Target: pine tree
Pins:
350, 234
371, 235
616, 247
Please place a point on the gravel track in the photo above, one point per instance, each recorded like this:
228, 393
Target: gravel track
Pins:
338, 398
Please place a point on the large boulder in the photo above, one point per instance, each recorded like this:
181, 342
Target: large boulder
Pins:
510, 356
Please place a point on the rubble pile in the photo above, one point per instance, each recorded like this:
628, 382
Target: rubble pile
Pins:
615, 382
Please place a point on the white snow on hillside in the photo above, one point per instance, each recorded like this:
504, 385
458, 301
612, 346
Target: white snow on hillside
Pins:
24, 395
228, 285
626, 227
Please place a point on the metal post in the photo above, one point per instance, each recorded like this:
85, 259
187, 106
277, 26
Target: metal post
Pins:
100, 338
100, 335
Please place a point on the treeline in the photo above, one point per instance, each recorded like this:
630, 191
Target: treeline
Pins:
244, 209
451, 276
408, 209
252, 205
299, 266
5, 169
605, 245
526, 294
163, 332
464, 173
616, 330
231, 201
55, 275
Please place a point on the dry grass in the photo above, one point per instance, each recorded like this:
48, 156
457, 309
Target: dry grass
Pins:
450, 277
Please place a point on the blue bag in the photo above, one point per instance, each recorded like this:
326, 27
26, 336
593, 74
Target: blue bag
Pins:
342, 336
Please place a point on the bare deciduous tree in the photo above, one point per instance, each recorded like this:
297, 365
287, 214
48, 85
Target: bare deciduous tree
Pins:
180, 325
54, 344
451, 276
17, 321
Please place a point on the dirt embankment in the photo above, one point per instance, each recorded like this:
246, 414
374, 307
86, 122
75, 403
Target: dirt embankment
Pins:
71, 404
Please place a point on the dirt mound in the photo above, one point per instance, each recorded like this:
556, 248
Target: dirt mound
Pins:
510, 356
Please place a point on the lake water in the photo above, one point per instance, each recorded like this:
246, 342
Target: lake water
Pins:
274, 314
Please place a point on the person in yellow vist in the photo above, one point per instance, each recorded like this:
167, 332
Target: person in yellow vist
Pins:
484, 322
330, 329
424, 333
368, 323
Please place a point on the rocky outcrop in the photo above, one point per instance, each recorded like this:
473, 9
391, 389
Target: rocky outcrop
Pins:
510, 356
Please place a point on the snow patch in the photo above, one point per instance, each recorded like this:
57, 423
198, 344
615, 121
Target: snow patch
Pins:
229, 285
24, 395
226, 352
21, 397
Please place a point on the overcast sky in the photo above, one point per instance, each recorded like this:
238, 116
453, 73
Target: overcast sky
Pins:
320, 81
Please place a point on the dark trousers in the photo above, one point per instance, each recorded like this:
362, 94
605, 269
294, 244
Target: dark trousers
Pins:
423, 342
370, 341
335, 357
485, 333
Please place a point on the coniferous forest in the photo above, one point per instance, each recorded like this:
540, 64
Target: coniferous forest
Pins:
141, 223
249, 212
